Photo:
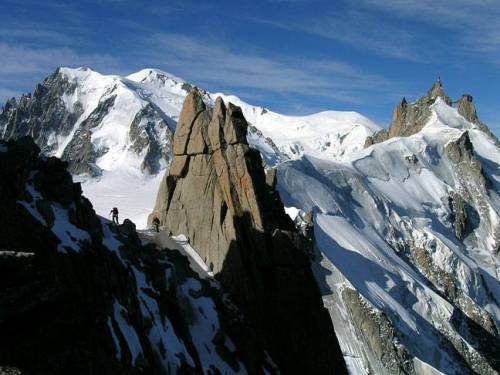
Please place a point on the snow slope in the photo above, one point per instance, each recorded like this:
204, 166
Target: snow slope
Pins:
330, 135
384, 227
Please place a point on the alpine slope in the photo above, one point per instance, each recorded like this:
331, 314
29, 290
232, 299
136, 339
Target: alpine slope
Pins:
407, 234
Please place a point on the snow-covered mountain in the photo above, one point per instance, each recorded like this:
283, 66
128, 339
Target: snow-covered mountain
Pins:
408, 239
407, 229
116, 132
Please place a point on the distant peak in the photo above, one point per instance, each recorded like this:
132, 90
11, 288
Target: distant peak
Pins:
152, 75
437, 83
75, 73
437, 91
466, 98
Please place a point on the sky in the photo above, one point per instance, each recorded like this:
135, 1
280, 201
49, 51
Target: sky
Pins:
292, 56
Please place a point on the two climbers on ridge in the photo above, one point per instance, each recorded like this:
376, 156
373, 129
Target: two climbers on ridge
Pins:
114, 212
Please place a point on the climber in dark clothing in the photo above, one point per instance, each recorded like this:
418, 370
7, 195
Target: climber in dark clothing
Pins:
156, 223
114, 212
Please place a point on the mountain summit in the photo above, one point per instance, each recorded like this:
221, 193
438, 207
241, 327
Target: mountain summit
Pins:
408, 119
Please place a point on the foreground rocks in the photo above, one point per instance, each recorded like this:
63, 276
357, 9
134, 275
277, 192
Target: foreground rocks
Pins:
79, 296
216, 193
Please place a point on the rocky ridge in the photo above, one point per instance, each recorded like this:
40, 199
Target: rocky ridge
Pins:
216, 192
81, 296
410, 118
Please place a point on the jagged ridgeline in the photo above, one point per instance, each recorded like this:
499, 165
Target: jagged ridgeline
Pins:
410, 118
408, 233
217, 193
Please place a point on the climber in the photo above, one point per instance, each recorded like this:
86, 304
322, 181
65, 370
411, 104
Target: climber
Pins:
156, 223
114, 212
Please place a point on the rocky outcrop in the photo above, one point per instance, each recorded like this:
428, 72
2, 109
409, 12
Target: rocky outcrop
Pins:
471, 181
410, 118
466, 107
216, 193
377, 137
80, 296
377, 330
463, 216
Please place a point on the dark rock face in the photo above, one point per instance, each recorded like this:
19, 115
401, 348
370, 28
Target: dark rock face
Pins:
466, 107
79, 296
377, 330
145, 135
462, 215
216, 193
80, 152
41, 114
45, 117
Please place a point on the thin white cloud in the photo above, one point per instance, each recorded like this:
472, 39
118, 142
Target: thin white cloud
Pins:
393, 28
358, 29
216, 65
475, 24
24, 60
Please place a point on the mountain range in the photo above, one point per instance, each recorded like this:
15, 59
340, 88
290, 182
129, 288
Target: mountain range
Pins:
406, 221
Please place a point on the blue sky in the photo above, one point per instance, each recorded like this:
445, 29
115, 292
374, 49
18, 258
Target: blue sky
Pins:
293, 56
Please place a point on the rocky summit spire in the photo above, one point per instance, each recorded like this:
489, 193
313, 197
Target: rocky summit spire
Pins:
216, 193
437, 91
467, 109
408, 119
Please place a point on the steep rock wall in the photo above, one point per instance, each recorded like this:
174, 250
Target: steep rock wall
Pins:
216, 193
